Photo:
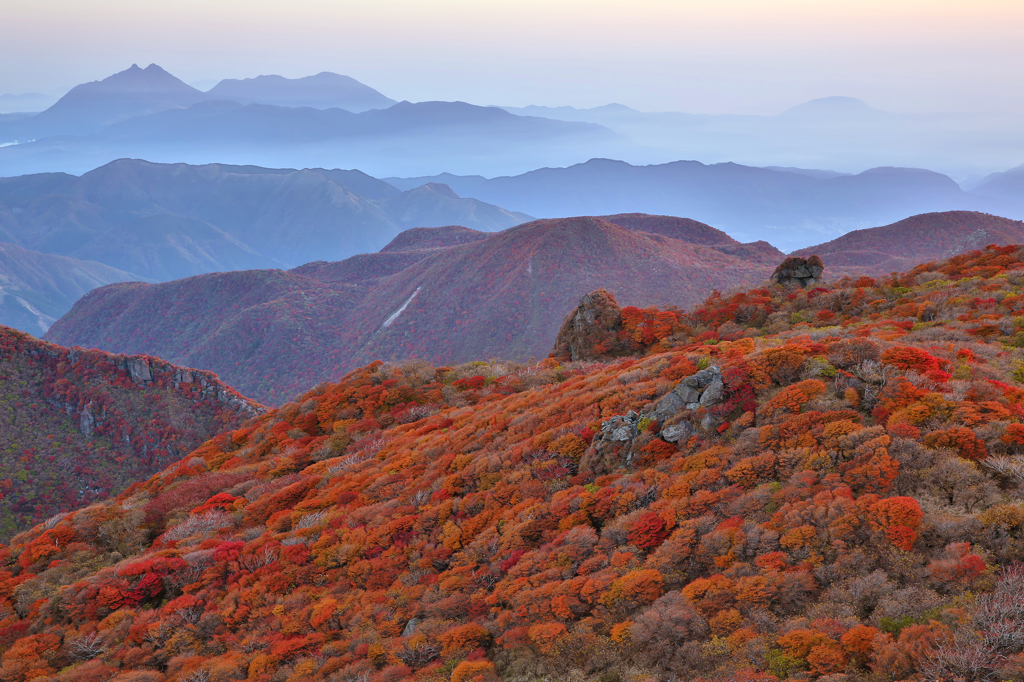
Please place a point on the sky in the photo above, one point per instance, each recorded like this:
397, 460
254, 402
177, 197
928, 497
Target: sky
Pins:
706, 56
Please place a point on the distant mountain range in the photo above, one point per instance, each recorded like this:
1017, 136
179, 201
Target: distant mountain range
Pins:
323, 91
77, 426
323, 120
840, 133
447, 295
1008, 185
787, 207
330, 120
159, 222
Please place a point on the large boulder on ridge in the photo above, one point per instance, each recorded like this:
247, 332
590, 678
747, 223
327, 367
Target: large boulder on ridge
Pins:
804, 272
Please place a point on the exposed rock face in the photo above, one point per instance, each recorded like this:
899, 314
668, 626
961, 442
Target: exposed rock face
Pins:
591, 331
674, 413
805, 272
86, 422
703, 389
138, 368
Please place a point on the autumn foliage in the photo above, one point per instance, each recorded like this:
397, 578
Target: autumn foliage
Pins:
838, 511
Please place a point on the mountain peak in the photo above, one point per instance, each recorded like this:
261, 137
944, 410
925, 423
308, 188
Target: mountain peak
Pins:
325, 90
136, 80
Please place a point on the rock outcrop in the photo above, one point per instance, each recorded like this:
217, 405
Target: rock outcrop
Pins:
804, 272
676, 415
591, 331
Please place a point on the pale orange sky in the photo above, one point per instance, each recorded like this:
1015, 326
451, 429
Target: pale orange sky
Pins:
741, 56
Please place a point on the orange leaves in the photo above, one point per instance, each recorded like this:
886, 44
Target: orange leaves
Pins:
791, 399
466, 671
466, 638
546, 636
859, 642
30, 656
633, 589
110, 597
47, 544
798, 538
899, 518
757, 590
959, 438
282, 500
472, 517
895, 511
897, 393
291, 646
711, 594
648, 326
750, 471
822, 653
1013, 436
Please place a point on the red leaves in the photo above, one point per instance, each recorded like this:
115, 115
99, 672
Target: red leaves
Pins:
263, 508
648, 531
470, 383
290, 646
911, 358
222, 501
157, 565
957, 565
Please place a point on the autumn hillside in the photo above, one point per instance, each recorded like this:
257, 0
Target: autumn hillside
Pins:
920, 238
781, 484
78, 425
441, 294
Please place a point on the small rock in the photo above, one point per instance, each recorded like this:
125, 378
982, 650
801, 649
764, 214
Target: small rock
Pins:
410, 627
668, 406
688, 394
713, 394
675, 432
623, 433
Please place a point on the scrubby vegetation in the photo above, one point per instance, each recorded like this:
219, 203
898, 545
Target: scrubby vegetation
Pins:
76, 426
850, 508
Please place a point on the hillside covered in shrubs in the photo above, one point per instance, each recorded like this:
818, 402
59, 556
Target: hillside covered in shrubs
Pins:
77, 426
446, 295
782, 483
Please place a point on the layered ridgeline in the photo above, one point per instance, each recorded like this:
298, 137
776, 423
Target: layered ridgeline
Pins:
789, 207
448, 295
154, 222
176, 220
305, 122
37, 288
783, 483
79, 425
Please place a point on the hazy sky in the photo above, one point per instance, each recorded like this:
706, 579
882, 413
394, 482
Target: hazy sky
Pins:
743, 56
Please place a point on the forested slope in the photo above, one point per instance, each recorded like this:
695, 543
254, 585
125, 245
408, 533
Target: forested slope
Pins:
79, 425
446, 295
780, 484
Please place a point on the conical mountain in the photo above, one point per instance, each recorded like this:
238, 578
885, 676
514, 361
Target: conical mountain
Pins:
91, 107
